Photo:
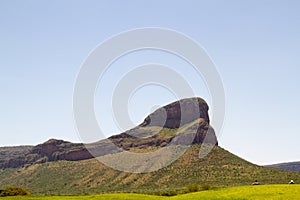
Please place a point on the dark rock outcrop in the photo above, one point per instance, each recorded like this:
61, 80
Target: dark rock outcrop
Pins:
54, 150
171, 116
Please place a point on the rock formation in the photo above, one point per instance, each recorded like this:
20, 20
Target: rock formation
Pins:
172, 117
187, 120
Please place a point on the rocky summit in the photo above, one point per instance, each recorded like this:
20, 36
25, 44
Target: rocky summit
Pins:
182, 122
188, 118
178, 113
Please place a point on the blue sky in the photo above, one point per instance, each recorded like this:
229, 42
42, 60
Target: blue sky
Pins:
254, 44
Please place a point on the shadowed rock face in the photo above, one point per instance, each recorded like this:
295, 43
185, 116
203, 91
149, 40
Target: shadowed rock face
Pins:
191, 113
178, 113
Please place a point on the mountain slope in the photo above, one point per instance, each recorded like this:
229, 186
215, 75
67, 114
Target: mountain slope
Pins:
218, 168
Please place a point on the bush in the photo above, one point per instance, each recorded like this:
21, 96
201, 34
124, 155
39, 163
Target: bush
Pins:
205, 187
192, 188
168, 193
13, 191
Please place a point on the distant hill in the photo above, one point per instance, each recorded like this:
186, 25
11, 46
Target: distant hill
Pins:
292, 166
59, 167
12, 152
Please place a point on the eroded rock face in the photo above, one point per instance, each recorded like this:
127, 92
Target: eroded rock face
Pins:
54, 150
171, 117
178, 113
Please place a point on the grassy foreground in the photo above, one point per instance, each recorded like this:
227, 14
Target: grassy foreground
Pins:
285, 192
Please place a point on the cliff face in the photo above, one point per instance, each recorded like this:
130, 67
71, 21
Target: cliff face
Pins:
193, 108
158, 130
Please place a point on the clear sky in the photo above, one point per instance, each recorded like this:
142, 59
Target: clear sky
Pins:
254, 44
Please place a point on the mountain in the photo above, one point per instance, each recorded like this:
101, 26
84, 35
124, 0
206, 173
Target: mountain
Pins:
147, 134
292, 166
59, 167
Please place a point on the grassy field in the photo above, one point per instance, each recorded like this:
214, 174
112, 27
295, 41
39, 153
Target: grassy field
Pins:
263, 192
249, 192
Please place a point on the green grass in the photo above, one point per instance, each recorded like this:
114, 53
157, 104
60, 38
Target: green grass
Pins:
262, 192
88, 197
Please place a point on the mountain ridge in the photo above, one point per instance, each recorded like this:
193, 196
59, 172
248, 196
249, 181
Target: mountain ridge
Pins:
292, 166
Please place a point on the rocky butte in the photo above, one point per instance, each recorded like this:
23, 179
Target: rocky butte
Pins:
188, 117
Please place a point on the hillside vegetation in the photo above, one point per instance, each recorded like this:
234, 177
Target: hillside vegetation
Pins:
219, 168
